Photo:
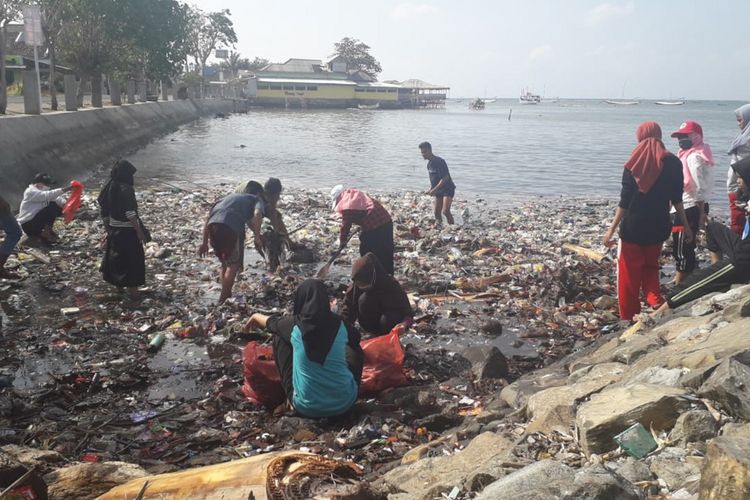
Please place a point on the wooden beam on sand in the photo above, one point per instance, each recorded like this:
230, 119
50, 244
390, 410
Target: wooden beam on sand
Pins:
585, 252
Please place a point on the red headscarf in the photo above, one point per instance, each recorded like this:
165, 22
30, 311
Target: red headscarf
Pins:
645, 161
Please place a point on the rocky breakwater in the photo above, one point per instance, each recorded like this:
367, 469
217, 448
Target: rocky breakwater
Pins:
660, 414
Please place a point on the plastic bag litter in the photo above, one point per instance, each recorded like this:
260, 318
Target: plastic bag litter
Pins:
384, 362
262, 379
74, 202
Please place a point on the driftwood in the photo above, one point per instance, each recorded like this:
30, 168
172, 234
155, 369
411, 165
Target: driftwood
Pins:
585, 252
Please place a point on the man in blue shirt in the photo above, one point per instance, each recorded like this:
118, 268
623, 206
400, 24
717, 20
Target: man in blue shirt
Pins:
442, 186
225, 229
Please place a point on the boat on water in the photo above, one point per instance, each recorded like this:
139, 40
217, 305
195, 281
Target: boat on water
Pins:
621, 103
669, 103
476, 104
369, 106
528, 97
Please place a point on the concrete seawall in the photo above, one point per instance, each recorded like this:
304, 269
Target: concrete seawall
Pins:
71, 145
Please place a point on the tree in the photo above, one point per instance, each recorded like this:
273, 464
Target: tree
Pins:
9, 11
234, 64
53, 13
210, 31
357, 56
257, 64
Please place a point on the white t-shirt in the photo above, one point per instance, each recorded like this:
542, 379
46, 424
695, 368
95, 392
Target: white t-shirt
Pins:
35, 199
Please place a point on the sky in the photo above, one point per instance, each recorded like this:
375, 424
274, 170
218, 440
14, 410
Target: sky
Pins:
487, 48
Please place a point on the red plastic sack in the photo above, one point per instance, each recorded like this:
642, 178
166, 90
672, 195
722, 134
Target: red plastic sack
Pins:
262, 379
383, 369
74, 202
384, 362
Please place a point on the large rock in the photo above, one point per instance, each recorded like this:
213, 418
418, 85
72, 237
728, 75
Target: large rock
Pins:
487, 362
553, 409
726, 475
517, 393
429, 477
88, 481
693, 426
32, 457
550, 480
736, 430
615, 409
671, 466
631, 469
729, 386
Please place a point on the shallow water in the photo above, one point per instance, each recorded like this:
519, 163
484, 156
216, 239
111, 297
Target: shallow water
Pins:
572, 147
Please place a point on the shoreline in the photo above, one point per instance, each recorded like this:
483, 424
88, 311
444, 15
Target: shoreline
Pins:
91, 370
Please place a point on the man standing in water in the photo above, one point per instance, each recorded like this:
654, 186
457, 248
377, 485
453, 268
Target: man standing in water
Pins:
442, 186
225, 229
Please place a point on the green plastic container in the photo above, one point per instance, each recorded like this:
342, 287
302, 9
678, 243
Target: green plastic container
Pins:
636, 441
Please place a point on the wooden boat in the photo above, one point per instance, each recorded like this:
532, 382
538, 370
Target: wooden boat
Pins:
476, 104
528, 97
369, 106
669, 103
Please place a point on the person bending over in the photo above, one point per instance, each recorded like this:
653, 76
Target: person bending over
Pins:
356, 207
375, 298
40, 207
317, 353
225, 229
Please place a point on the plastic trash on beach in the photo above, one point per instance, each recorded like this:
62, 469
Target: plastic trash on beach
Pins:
636, 441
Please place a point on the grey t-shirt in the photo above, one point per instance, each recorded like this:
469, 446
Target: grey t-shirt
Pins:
235, 211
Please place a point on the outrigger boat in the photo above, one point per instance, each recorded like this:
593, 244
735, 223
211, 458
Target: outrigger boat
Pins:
476, 104
669, 103
622, 103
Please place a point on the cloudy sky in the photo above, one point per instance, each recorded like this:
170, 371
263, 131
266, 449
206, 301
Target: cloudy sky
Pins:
567, 48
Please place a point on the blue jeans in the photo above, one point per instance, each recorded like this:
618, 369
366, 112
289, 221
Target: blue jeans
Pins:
12, 234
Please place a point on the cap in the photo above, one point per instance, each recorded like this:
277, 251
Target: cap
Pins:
689, 127
42, 178
335, 194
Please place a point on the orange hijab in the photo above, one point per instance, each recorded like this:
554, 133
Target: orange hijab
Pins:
645, 161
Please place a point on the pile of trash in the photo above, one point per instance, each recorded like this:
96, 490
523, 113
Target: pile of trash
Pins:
96, 377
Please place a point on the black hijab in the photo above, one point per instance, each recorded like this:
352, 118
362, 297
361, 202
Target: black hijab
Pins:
312, 314
110, 197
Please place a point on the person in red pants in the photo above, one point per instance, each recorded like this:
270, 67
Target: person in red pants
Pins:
652, 183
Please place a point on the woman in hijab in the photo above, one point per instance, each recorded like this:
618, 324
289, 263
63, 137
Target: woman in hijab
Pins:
375, 298
357, 207
697, 171
651, 180
739, 150
318, 355
124, 261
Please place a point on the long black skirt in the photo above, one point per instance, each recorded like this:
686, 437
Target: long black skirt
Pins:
124, 262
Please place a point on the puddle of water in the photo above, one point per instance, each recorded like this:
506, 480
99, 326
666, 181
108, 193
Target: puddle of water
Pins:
35, 372
180, 364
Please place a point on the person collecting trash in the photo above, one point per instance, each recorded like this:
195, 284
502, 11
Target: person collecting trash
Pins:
697, 171
317, 353
225, 229
124, 262
41, 207
12, 231
442, 186
651, 182
375, 298
356, 207
730, 254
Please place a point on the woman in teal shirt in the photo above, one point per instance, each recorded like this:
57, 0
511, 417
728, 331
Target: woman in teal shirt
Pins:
317, 353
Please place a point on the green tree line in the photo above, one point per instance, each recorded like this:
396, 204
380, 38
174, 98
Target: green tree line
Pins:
123, 39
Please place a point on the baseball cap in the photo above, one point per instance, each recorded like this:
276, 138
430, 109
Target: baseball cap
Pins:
689, 127
42, 178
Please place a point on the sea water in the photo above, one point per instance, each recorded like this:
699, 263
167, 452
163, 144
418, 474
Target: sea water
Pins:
506, 153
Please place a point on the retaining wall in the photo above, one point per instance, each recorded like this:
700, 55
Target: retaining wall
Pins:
72, 144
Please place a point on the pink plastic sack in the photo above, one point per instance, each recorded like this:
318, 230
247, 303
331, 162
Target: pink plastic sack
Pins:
74, 202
